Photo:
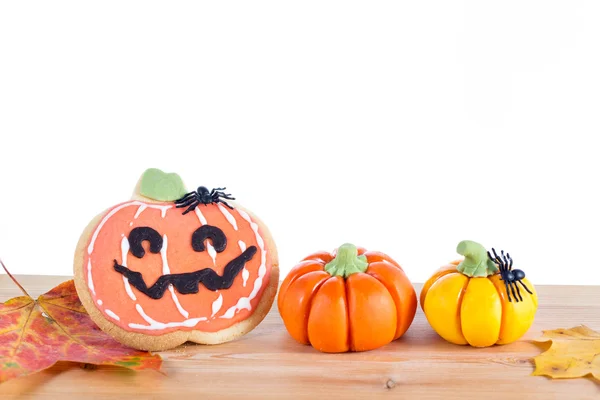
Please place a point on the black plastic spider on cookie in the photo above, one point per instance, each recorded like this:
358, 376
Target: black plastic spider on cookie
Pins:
511, 277
203, 196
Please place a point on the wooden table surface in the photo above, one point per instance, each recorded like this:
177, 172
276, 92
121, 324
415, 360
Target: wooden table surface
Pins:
267, 363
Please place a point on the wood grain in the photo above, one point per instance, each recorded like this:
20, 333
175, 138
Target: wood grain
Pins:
267, 363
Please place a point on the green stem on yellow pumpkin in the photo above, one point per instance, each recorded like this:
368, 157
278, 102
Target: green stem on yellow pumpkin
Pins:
347, 262
476, 262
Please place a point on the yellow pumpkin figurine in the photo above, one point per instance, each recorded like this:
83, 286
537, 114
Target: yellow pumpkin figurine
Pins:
480, 300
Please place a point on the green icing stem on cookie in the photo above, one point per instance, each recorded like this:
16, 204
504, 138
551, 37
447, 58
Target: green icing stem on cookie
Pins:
476, 262
161, 186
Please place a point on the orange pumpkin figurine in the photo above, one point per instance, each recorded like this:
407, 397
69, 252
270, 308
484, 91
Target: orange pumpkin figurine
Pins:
170, 266
351, 300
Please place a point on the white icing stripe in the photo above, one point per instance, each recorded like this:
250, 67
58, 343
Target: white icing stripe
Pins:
167, 270
99, 302
181, 310
101, 224
90, 280
128, 289
244, 302
216, 305
212, 253
155, 325
112, 314
211, 250
139, 211
200, 216
124, 251
245, 276
262, 270
144, 315
245, 272
163, 255
163, 211
229, 217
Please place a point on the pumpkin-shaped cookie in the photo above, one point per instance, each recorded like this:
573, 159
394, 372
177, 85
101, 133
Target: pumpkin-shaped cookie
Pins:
169, 266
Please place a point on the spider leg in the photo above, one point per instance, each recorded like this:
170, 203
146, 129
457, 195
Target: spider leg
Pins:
507, 291
495, 262
216, 190
224, 202
501, 266
186, 203
526, 288
495, 254
186, 197
505, 260
225, 195
499, 261
510, 260
518, 291
187, 200
191, 207
512, 289
215, 197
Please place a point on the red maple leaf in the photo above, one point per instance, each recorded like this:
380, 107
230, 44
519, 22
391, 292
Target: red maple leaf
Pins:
35, 334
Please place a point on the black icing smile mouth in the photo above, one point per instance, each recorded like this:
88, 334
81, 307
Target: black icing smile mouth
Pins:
187, 282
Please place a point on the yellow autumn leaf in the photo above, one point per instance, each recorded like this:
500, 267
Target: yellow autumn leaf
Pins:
573, 353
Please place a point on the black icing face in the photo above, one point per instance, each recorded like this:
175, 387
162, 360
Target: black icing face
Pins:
187, 282
216, 236
138, 235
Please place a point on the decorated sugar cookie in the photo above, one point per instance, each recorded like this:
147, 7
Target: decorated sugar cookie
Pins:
480, 300
170, 266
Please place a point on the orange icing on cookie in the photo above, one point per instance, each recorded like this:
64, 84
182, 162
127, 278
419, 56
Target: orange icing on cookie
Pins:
209, 311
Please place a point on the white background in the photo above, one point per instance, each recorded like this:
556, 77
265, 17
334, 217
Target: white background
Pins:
402, 127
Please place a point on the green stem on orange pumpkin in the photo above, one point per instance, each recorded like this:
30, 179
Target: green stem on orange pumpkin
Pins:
347, 262
158, 185
476, 262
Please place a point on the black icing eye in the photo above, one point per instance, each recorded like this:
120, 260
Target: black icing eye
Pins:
216, 236
138, 235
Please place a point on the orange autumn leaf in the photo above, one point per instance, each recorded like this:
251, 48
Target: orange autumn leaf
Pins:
573, 353
35, 334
